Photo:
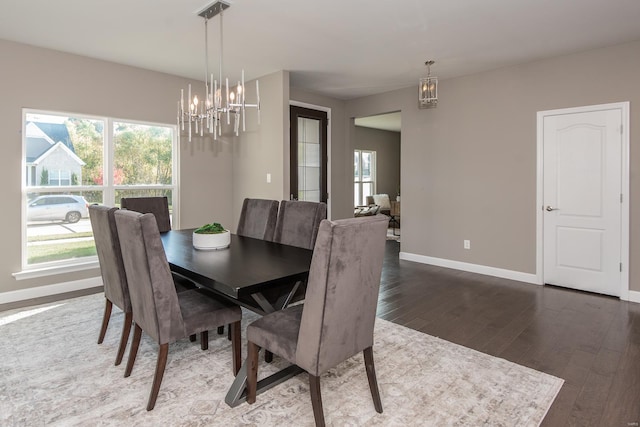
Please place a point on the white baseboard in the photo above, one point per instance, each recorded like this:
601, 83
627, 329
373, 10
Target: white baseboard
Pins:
472, 268
44, 291
634, 296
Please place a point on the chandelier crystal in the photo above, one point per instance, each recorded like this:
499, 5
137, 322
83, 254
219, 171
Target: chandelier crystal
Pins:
428, 89
198, 115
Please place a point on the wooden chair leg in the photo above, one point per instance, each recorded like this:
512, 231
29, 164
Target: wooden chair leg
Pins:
220, 330
133, 352
316, 400
126, 329
204, 340
371, 375
105, 320
268, 356
192, 337
252, 372
236, 346
157, 378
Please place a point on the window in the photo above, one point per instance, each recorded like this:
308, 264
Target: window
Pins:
364, 163
60, 177
72, 161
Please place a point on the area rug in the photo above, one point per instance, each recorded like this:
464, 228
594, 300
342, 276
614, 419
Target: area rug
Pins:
52, 372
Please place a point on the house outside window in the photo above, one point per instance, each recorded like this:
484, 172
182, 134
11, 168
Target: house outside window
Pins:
72, 161
364, 163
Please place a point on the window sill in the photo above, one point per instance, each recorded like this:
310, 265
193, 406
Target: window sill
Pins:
52, 271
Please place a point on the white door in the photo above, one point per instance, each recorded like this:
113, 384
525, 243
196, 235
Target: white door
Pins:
582, 184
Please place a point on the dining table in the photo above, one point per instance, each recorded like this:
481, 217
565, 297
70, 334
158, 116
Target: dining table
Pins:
259, 275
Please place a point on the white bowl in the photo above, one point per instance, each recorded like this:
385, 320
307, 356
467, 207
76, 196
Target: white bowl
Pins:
211, 241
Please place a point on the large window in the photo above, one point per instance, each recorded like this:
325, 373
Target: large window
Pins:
364, 165
72, 161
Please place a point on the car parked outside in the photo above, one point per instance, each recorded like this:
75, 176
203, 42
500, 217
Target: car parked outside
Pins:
58, 207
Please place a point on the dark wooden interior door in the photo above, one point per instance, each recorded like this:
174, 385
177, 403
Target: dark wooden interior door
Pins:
308, 154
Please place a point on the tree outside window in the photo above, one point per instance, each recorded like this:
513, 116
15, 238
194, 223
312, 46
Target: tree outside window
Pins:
75, 155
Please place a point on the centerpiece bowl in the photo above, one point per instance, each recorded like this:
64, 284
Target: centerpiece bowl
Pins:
211, 236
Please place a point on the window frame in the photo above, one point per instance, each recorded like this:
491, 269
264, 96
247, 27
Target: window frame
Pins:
108, 188
374, 173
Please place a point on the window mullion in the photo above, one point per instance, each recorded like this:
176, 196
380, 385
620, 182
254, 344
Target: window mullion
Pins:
108, 196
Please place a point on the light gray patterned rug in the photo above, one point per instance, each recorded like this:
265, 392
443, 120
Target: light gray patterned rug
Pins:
52, 372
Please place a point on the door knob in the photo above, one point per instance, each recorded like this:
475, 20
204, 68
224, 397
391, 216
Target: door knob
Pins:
551, 208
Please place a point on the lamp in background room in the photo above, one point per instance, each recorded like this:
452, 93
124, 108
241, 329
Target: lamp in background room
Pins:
428, 89
200, 114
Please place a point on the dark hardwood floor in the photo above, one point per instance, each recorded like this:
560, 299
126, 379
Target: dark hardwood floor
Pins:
590, 341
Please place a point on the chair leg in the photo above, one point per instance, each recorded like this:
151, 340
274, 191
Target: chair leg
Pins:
236, 346
157, 378
204, 340
133, 351
371, 376
105, 320
252, 372
316, 400
220, 330
192, 337
126, 329
268, 356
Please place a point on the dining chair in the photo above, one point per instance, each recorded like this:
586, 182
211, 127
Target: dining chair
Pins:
258, 219
158, 310
337, 319
159, 206
114, 279
298, 222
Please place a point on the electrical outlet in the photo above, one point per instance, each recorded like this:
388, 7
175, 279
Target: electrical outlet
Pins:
268, 178
467, 244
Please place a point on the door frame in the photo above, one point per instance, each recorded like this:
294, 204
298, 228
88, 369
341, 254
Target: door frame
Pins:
287, 154
624, 208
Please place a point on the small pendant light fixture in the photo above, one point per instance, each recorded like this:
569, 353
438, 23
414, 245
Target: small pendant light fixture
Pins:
428, 89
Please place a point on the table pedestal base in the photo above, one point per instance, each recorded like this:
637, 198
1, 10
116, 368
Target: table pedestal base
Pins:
238, 391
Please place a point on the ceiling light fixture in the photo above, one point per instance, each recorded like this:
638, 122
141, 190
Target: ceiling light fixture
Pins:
428, 89
207, 113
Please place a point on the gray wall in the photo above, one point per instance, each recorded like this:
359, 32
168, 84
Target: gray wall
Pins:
261, 149
469, 166
386, 144
44, 79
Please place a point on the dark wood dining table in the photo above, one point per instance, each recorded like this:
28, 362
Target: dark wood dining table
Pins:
259, 275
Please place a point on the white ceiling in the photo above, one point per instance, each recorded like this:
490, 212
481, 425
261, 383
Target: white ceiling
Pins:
390, 121
344, 49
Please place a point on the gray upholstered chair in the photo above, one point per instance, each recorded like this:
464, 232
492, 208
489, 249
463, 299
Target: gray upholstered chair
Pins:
258, 219
338, 316
116, 290
163, 314
381, 200
298, 223
159, 206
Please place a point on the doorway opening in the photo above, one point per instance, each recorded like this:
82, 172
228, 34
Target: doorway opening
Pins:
377, 168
